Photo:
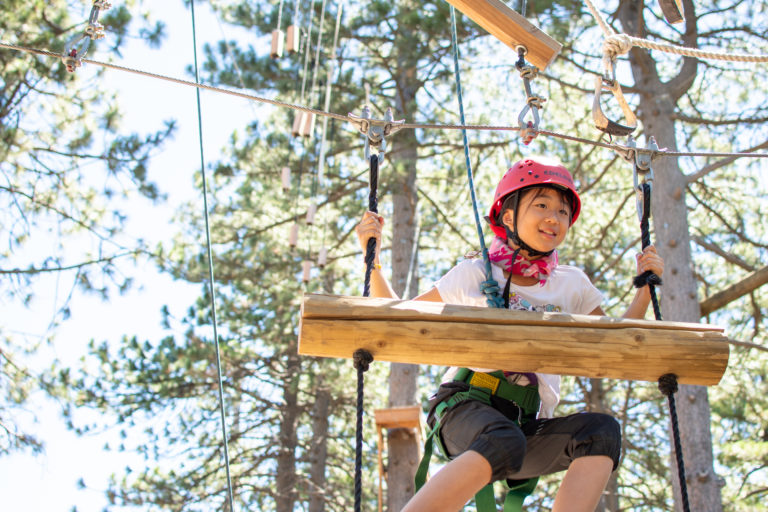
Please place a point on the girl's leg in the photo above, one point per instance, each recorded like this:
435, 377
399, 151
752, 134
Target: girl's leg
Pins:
453, 486
583, 484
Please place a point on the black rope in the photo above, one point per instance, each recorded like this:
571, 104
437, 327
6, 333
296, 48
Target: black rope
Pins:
648, 277
668, 386
667, 382
362, 359
373, 205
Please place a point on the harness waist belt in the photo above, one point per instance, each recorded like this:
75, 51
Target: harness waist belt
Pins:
526, 397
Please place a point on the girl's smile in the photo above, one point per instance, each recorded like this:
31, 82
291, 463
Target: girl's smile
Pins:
544, 218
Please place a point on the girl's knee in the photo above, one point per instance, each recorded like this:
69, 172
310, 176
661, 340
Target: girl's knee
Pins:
600, 434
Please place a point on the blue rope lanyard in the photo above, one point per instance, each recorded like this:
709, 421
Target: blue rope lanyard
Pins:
490, 287
210, 267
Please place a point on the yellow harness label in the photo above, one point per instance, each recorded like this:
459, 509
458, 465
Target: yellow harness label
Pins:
483, 380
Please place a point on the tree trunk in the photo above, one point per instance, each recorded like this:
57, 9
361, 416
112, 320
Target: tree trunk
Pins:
319, 448
670, 223
403, 446
285, 479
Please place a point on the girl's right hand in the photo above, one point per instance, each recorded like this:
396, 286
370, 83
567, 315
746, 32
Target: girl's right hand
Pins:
370, 226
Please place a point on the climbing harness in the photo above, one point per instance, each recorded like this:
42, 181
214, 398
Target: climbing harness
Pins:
533, 103
608, 82
643, 168
482, 387
78, 47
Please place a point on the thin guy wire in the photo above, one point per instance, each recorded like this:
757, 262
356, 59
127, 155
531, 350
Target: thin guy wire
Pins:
470, 179
210, 269
424, 126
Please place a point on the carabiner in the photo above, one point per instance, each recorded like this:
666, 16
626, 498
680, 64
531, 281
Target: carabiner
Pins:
642, 165
530, 129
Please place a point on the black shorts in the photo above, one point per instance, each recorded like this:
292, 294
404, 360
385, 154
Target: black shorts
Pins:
539, 447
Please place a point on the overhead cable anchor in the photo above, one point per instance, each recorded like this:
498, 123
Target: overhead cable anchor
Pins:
608, 82
375, 130
533, 103
643, 167
77, 48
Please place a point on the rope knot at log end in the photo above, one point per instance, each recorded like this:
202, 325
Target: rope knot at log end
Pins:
362, 359
668, 384
617, 44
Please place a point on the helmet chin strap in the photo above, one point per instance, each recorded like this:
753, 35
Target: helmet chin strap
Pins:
515, 239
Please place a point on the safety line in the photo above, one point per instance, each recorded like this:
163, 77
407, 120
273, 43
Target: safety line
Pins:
425, 126
211, 284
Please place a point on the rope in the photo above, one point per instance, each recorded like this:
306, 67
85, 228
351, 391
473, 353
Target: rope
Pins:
412, 126
211, 280
489, 287
373, 205
619, 44
667, 382
362, 359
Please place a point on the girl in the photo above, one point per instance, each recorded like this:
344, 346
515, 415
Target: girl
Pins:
492, 439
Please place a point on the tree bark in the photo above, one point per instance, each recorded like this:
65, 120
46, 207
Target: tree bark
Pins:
319, 448
285, 479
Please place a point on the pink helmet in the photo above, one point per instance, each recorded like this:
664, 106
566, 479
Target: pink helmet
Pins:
530, 172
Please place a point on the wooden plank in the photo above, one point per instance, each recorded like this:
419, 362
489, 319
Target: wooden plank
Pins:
511, 28
599, 350
318, 305
398, 417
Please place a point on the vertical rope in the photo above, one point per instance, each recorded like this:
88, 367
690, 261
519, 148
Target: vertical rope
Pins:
667, 382
373, 205
490, 287
362, 359
210, 268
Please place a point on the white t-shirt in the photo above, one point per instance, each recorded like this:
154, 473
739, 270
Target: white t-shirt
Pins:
567, 290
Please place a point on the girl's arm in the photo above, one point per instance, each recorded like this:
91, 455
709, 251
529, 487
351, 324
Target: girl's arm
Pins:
371, 227
649, 259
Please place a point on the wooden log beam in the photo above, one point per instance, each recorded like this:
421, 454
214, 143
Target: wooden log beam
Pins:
449, 335
511, 28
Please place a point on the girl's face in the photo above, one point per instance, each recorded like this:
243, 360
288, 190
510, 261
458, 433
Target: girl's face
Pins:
544, 218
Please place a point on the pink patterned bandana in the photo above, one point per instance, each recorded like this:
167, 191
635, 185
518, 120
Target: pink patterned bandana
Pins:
501, 255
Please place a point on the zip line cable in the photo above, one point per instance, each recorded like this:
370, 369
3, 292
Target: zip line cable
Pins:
210, 269
425, 126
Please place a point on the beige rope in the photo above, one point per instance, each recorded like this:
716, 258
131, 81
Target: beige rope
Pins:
619, 44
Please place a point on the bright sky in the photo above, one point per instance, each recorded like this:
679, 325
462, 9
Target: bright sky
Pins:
48, 482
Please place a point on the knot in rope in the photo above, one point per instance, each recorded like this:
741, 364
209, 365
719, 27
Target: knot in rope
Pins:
362, 359
492, 293
617, 44
645, 278
668, 384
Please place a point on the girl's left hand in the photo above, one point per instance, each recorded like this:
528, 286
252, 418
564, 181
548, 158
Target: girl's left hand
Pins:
649, 259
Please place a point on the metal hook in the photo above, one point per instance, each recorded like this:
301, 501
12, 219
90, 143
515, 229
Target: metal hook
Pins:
529, 129
608, 82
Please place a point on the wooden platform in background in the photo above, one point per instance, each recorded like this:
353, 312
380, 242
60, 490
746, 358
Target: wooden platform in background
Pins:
443, 334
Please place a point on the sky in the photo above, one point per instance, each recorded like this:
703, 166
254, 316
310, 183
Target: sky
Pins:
49, 481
